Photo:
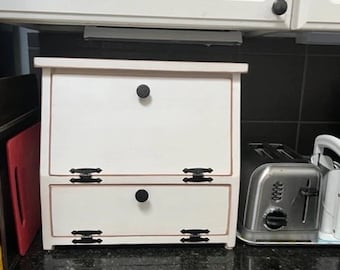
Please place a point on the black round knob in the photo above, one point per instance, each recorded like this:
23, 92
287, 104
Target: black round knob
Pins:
275, 219
143, 91
142, 195
279, 7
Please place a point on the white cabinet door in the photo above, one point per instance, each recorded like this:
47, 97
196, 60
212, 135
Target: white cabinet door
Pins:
316, 15
98, 121
198, 14
115, 211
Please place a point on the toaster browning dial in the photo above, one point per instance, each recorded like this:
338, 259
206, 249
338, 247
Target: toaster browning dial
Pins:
275, 219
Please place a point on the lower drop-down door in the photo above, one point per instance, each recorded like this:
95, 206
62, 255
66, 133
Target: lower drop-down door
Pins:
120, 211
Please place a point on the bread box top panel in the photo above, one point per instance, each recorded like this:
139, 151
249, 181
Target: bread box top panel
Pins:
98, 120
176, 66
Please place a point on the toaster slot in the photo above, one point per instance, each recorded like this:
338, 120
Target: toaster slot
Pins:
288, 153
266, 150
275, 151
260, 150
269, 148
284, 153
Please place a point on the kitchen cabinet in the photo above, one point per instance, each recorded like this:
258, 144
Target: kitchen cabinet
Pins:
139, 152
199, 14
244, 15
319, 15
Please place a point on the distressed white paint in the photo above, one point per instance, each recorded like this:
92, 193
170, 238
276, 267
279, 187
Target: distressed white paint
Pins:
192, 120
115, 211
317, 15
199, 14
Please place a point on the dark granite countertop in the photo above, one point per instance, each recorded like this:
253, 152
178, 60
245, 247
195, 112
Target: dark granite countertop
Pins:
181, 257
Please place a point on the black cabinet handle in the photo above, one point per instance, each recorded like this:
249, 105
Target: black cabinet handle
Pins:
86, 170
197, 170
197, 179
142, 195
194, 239
143, 91
197, 175
86, 241
87, 232
279, 7
85, 175
85, 179
195, 231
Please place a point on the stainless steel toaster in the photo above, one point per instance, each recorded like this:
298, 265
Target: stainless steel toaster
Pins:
279, 195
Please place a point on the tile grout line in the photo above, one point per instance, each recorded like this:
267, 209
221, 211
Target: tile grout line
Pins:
272, 54
303, 85
325, 55
268, 121
320, 122
288, 122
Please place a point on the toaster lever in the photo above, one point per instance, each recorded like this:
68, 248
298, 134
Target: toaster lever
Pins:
197, 175
306, 191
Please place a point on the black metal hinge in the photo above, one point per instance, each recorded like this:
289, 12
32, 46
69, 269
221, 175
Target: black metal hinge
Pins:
195, 235
197, 175
85, 175
86, 237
